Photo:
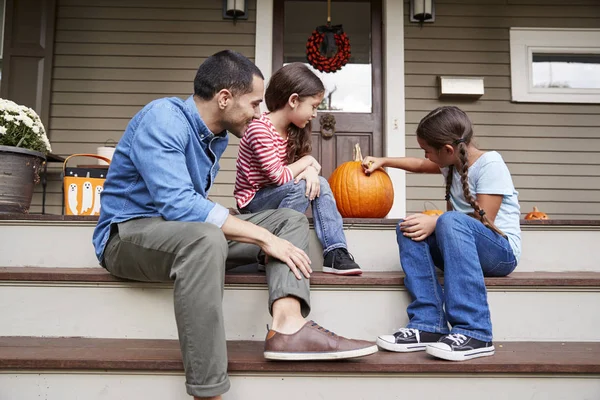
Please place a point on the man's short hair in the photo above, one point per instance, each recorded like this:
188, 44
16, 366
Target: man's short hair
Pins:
225, 70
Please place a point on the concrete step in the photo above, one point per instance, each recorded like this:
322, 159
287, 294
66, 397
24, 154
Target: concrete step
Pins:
66, 242
95, 369
89, 302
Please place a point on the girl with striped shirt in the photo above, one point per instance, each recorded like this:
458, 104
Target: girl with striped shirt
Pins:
275, 168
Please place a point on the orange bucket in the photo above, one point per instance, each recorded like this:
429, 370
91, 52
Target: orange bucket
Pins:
82, 187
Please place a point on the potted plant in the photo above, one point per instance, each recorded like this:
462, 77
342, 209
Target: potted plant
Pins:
23, 149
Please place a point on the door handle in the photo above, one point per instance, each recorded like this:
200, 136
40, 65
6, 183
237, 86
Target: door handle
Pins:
327, 122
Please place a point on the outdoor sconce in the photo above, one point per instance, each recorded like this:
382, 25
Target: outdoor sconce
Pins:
235, 9
422, 11
467, 87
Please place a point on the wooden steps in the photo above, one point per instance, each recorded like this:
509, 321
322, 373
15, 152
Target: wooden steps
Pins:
368, 279
34, 353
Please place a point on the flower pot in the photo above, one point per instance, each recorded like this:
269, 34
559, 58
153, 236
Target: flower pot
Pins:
19, 172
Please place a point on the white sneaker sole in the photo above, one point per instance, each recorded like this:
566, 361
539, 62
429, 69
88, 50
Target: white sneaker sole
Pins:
329, 270
335, 355
400, 348
460, 355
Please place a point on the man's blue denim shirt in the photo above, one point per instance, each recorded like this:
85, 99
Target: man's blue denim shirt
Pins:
163, 166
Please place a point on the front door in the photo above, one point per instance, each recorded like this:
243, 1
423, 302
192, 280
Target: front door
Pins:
353, 93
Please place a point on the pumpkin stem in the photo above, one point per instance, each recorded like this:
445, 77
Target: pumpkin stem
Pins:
535, 209
357, 153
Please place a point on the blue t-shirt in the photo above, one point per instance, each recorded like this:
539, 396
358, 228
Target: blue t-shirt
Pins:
490, 175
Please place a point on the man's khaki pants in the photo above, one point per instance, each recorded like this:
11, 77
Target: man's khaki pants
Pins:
195, 256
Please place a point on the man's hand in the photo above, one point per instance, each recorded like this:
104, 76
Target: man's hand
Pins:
313, 185
246, 232
295, 258
418, 226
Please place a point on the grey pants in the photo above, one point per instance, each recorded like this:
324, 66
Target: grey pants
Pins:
195, 256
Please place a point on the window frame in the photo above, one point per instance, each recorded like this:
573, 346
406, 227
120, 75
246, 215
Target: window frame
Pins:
526, 41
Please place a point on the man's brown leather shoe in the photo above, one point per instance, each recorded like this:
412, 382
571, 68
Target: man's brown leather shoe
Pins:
313, 342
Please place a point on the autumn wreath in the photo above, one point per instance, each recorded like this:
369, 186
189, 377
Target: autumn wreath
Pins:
328, 48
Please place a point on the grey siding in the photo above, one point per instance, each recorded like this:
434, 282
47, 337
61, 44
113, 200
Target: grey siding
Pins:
552, 150
114, 56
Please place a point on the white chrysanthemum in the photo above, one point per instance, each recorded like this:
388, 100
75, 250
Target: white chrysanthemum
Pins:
27, 121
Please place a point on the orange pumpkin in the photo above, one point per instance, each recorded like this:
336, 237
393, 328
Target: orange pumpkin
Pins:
433, 213
359, 195
536, 214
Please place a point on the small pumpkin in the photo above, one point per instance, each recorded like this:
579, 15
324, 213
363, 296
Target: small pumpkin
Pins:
359, 195
433, 213
536, 214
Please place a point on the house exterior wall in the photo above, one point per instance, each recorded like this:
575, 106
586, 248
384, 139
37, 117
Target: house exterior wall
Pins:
552, 150
114, 56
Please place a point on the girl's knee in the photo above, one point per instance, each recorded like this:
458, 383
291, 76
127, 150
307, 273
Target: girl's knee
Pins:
399, 234
299, 187
324, 185
448, 220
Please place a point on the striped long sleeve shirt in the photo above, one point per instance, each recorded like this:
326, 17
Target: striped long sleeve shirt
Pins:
261, 160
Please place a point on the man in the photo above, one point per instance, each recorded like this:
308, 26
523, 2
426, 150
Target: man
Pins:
157, 224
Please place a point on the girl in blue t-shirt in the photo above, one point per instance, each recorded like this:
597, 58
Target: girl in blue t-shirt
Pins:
478, 236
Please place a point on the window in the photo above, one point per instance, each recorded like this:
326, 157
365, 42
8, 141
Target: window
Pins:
555, 65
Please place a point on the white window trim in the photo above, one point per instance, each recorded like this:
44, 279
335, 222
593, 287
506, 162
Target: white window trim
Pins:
525, 41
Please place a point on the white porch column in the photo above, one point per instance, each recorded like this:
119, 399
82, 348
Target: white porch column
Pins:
393, 98
264, 37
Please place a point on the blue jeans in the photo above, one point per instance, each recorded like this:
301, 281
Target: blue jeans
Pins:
327, 219
466, 251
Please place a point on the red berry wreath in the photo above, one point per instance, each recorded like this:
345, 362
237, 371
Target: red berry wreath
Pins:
328, 48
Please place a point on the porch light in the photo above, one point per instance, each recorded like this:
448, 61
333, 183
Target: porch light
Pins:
422, 11
235, 9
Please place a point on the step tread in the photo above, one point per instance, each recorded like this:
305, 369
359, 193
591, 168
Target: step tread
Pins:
100, 275
352, 221
246, 356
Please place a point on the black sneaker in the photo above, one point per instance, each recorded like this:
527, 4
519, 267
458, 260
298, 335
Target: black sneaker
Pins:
457, 347
340, 262
407, 340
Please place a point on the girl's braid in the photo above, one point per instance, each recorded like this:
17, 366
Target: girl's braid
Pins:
464, 178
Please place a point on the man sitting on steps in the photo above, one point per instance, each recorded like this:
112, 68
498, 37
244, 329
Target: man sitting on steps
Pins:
156, 224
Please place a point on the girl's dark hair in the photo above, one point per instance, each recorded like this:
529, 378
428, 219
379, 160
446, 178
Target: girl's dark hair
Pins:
290, 79
450, 125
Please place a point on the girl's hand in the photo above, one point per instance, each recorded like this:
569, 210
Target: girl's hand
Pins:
418, 226
315, 164
370, 164
313, 185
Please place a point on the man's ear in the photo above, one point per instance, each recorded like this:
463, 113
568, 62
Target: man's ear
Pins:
224, 98
293, 100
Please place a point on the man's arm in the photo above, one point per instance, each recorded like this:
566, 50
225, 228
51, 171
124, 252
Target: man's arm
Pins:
247, 232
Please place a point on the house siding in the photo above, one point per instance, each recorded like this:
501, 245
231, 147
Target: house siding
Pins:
552, 150
113, 57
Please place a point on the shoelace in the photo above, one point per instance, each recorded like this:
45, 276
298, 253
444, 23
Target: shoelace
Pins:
406, 332
457, 338
319, 327
346, 254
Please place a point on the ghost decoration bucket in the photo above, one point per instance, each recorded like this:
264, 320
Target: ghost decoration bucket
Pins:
82, 186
